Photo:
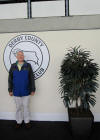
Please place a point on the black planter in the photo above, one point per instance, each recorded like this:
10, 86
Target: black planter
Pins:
81, 122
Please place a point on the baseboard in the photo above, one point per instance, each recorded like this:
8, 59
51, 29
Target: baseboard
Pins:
37, 116
44, 116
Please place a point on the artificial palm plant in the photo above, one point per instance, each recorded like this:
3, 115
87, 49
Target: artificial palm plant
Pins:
78, 79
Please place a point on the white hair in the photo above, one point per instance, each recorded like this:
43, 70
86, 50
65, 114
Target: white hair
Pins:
16, 51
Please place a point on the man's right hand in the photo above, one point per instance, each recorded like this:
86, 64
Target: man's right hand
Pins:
11, 93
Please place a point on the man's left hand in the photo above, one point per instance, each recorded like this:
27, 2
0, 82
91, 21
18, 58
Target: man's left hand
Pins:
32, 93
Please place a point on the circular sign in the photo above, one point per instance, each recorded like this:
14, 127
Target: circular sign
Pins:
35, 52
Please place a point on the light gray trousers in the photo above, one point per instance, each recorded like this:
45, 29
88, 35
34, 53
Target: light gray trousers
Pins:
22, 109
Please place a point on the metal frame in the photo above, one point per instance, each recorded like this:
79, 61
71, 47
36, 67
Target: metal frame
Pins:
66, 7
29, 11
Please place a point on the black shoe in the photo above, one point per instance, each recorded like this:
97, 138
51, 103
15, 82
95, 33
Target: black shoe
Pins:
28, 125
17, 126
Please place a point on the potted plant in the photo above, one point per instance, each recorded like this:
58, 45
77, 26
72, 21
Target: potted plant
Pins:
78, 83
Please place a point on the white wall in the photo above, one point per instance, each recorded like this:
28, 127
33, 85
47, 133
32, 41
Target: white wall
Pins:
39, 9
46, 104
84, 7
12, 11
50, 8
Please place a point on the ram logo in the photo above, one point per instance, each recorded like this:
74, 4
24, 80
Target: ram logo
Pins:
35, 52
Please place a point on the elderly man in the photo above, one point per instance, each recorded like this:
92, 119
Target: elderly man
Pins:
21, 85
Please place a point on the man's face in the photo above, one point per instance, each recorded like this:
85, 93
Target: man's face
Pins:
20, 56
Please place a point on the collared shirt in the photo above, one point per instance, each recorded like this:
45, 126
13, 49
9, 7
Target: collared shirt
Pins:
19, 65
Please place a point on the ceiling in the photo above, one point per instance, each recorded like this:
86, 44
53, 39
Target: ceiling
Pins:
19, 1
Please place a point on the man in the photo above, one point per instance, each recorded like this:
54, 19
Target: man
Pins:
21, 85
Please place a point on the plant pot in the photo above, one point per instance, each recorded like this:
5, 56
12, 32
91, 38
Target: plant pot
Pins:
81, 122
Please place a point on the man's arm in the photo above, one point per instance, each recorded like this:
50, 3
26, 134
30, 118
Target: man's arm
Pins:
10, 80
32, 80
